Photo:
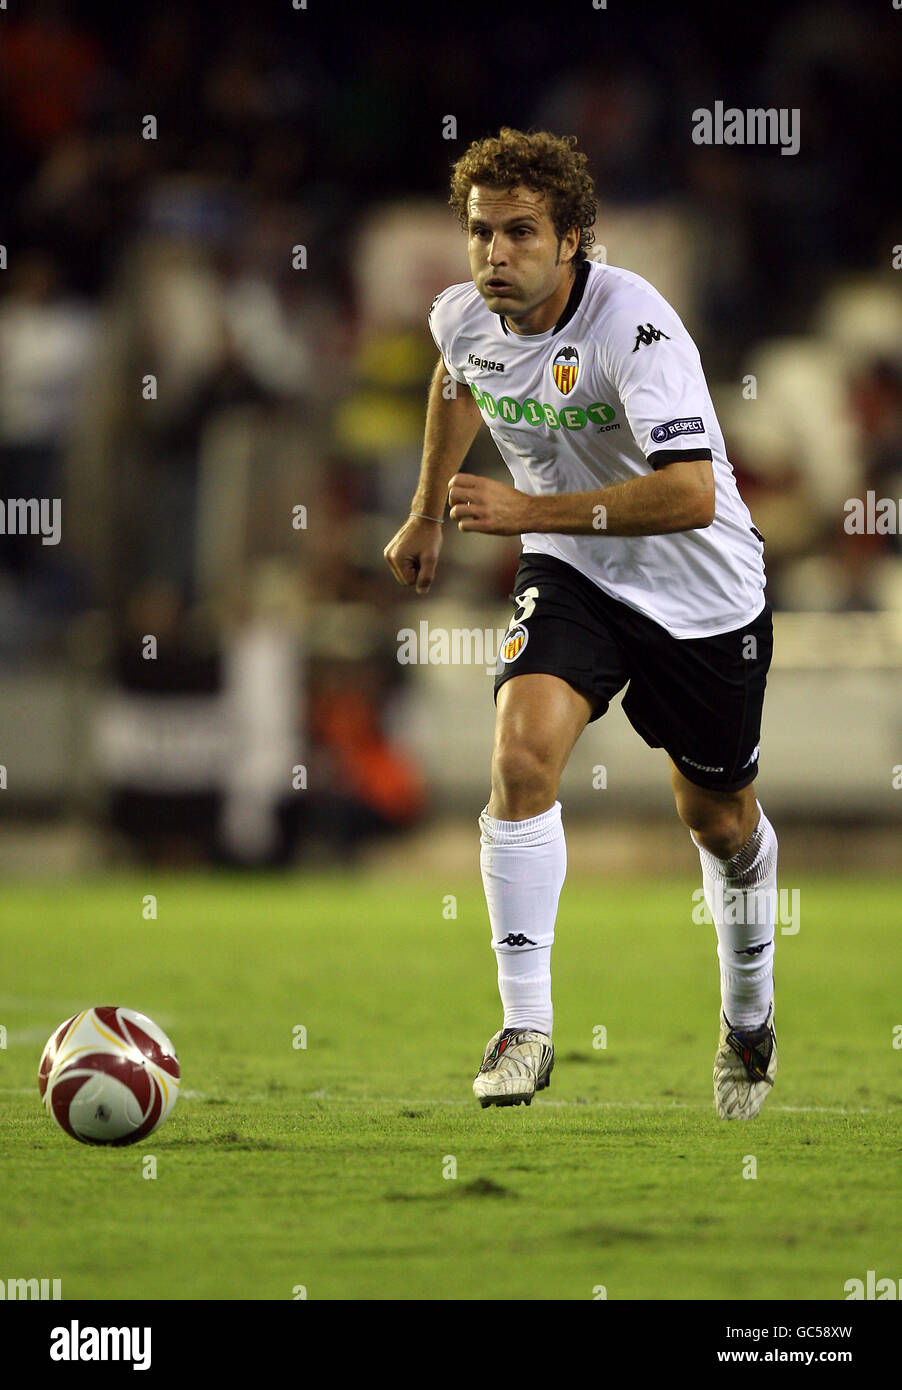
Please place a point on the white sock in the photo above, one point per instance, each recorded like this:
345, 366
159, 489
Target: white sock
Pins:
524, 864
741, 894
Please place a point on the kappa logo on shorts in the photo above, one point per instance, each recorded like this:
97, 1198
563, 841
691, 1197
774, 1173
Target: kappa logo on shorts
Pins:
691, 425
513, 644
702, 767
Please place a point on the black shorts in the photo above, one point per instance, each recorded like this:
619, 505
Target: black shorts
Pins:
700, 698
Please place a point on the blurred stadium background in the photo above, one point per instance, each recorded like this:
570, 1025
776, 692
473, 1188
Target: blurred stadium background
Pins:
268, 259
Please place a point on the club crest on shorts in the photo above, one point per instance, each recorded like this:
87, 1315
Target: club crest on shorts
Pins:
514, 642
565, 369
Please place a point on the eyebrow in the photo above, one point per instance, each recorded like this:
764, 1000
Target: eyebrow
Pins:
511, 221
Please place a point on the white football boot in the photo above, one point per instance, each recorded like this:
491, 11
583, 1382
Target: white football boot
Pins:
517, 1063
744, 1068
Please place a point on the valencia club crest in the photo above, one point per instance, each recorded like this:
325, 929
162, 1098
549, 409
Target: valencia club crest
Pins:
565, 369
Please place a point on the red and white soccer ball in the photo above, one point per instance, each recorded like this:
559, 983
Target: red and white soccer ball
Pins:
109, 1076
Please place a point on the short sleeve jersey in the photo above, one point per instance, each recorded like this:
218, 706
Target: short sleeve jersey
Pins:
614, 391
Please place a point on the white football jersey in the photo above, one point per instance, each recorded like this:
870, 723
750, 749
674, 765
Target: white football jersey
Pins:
614, 391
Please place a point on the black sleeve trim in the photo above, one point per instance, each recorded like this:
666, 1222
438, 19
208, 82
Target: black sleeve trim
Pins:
661, 457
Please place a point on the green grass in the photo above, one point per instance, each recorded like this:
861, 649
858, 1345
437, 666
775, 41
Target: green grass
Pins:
323, 1166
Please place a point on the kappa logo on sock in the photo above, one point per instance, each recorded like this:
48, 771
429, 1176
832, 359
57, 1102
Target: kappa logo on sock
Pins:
518, 940
754, 950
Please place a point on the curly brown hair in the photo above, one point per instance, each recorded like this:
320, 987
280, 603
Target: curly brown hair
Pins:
536, 159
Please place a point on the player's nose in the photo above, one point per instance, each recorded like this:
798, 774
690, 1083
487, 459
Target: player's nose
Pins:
497, 251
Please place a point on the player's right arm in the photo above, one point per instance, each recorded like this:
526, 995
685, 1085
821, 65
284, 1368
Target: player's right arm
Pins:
451, 425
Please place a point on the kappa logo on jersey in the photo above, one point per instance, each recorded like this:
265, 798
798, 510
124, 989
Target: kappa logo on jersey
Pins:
692, 425
513, 644
485, 363
565, 369
646, 334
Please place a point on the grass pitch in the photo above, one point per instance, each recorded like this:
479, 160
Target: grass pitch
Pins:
330, 1167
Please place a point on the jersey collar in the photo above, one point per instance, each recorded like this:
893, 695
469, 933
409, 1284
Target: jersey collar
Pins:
576, 293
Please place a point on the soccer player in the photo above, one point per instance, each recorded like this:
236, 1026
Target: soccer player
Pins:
640, 567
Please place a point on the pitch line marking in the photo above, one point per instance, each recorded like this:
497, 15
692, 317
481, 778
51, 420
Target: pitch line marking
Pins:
541, 1101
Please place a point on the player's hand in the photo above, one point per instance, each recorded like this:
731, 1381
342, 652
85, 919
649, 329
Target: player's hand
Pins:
412, 553
481, 504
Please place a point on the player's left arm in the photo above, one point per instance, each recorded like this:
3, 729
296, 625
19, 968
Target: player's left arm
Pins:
677, 497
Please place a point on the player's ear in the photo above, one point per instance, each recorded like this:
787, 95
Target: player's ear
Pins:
569, 245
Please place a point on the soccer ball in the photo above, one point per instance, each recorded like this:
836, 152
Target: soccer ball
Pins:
109, 1076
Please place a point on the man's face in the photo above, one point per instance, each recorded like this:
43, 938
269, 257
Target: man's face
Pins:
515, 258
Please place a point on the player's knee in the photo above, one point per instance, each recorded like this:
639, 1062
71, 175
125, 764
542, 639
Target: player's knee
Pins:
718, 826
524, 782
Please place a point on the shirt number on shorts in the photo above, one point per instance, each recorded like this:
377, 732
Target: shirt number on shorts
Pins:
526, 602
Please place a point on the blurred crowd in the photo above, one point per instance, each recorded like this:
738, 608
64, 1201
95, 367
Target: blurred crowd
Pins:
223, 232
